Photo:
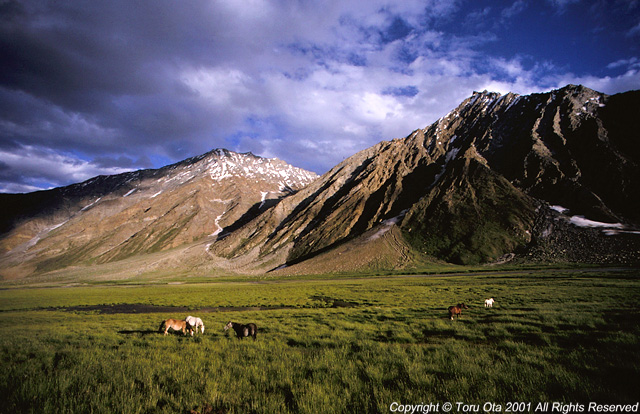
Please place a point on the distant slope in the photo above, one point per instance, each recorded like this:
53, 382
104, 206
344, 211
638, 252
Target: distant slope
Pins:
111, 218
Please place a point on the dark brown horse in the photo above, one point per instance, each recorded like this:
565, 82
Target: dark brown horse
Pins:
241, 330
457, 310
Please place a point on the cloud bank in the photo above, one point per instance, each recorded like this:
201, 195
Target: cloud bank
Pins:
102, 87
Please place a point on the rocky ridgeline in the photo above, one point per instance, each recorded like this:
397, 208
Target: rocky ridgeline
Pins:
471, 187
548, 177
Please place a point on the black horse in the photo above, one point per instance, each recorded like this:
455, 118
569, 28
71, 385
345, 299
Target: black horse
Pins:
249, 329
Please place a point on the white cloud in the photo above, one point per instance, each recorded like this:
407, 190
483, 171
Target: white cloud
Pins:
630, 63
634, 31
561, 5
308, 82
516, 8
218, 85
327, 108
48, 166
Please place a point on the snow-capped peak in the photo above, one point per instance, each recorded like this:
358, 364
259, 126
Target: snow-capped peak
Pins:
225, 164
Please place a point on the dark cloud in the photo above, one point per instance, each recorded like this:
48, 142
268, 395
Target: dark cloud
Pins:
122, 162
101, 86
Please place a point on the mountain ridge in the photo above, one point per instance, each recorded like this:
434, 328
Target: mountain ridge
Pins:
500, 177
519, 155
110, 218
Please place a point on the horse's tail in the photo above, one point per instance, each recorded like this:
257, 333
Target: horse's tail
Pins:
161, 326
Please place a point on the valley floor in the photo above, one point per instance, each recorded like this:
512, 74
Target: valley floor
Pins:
325, 345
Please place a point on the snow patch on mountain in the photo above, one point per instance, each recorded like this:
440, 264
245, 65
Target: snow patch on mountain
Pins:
222, 165
386, 225
609, 229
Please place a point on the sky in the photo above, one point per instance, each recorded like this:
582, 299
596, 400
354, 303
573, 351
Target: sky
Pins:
108, 86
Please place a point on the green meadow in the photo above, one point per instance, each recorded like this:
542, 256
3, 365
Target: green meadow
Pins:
326, 345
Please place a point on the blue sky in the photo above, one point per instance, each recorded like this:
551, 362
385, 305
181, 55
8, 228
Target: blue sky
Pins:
103, 87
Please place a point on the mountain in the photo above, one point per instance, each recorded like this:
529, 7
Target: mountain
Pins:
111, 218
541, 178
482, 184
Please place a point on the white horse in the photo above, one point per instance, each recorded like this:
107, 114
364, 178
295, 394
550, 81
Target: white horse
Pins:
195, 322
488, 303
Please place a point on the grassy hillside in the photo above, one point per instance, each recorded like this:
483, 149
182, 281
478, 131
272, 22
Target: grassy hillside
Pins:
325, 345
472, 220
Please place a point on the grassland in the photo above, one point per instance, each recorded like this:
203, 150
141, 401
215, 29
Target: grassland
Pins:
348, 345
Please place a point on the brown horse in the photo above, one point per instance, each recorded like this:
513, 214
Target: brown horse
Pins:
241, 330
176, 325
457, 310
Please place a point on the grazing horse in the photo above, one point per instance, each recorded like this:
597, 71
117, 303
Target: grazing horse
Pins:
195, 323
249, 329
489, 303
457, 310
176, 325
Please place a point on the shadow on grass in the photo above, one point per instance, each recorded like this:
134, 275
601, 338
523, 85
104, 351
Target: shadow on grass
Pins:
141, 332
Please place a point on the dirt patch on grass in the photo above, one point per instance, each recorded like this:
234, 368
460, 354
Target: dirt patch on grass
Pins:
143, 308
133, 308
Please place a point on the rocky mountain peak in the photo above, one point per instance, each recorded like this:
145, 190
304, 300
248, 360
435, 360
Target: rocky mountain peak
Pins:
222, 164
471, 186
547, 176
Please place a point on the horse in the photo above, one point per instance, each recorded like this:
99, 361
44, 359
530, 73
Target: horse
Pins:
195, 323
176, 325
249, 329
457, 310
488, 303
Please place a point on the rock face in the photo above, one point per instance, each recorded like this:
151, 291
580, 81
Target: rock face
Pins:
546, 177
477, 184
572, 147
